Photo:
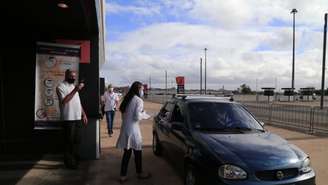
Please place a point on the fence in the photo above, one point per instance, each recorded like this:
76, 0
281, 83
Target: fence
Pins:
306, 118
158, 98
311, 119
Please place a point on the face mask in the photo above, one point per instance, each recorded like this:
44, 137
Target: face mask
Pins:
71, 80
141, 93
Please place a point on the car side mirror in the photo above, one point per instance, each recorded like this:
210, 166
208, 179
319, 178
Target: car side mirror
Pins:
262, 123
176, 126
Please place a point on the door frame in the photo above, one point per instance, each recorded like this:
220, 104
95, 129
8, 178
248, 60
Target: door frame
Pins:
2, 108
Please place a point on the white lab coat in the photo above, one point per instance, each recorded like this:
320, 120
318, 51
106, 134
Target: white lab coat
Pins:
130, 135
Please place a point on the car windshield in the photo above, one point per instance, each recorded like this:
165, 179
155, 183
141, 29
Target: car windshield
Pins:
221, 116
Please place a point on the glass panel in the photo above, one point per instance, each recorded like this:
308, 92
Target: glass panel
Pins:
214, 115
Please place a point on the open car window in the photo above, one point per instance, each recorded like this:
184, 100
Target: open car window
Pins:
177, 115
166, 110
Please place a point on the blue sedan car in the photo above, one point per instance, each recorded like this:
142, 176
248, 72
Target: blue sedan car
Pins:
218, 142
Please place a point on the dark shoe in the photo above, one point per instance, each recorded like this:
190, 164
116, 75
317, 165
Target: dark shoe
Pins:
72, 164
74, 167
123, 179
144, 175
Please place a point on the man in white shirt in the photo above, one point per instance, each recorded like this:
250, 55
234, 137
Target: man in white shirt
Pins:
110, 100
71, 113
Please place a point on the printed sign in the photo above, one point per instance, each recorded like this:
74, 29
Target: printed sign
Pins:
52, 60
180, 84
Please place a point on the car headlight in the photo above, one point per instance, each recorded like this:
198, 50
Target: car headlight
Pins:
306, 166
232, 172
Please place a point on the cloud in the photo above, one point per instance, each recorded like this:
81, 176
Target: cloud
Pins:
114, 8
238, 13
242, 43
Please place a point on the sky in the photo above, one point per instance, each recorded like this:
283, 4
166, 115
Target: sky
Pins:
248, 41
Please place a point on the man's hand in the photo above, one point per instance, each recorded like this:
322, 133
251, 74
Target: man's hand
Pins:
85, 119
80, 86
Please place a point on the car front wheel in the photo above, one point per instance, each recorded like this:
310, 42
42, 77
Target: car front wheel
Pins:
157, 149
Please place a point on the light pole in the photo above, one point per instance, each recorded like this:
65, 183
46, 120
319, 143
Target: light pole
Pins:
201, 76
149, 82
257, 99
323, 62
165, 84
294, 11
205, 49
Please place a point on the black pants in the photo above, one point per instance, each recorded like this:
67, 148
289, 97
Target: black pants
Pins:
126, 158
72, 133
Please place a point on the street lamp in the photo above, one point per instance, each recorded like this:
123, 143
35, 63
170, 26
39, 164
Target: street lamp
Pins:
324, 61
205, 49
201, 77
294, 11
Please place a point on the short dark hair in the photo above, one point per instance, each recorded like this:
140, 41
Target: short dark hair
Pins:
67, 72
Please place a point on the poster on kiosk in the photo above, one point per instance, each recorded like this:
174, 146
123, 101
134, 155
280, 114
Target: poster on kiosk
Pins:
52, 60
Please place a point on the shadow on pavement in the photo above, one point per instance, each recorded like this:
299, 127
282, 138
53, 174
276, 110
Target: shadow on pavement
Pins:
13, 168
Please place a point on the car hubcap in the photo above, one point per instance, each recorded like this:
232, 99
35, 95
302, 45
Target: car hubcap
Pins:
190, 178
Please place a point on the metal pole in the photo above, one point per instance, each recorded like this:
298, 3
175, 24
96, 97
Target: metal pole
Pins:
275, 86
323, 62
205, 71
256, 90
149, 89
165, 83
294, 11
149, 82
201, 76
293, 70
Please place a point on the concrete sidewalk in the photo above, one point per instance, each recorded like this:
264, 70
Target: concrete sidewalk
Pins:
50, 170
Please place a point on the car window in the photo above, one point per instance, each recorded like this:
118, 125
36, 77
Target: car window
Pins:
177, 115
163, 110
217, 115
166, 110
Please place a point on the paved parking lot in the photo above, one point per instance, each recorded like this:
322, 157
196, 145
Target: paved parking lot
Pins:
50, 170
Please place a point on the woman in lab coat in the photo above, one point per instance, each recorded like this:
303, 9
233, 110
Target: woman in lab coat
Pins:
130, 136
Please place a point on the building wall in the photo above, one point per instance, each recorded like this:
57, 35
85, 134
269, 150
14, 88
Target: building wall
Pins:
20, 32
101, 17
18, 77
18, 61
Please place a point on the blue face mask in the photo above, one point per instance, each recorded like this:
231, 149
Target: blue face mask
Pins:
141, 93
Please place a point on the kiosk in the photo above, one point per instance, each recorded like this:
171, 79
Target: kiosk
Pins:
289, 92
268, 91
78, 24
308, 92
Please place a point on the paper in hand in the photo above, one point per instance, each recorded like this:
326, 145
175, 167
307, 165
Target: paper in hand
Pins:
144, 115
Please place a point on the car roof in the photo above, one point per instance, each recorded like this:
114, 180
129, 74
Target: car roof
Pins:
203, 98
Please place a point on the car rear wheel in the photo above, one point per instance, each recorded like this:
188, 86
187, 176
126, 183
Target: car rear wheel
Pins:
157, 149
190, 176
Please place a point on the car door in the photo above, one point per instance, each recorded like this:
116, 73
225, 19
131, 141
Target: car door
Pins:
163, 124
178, 134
